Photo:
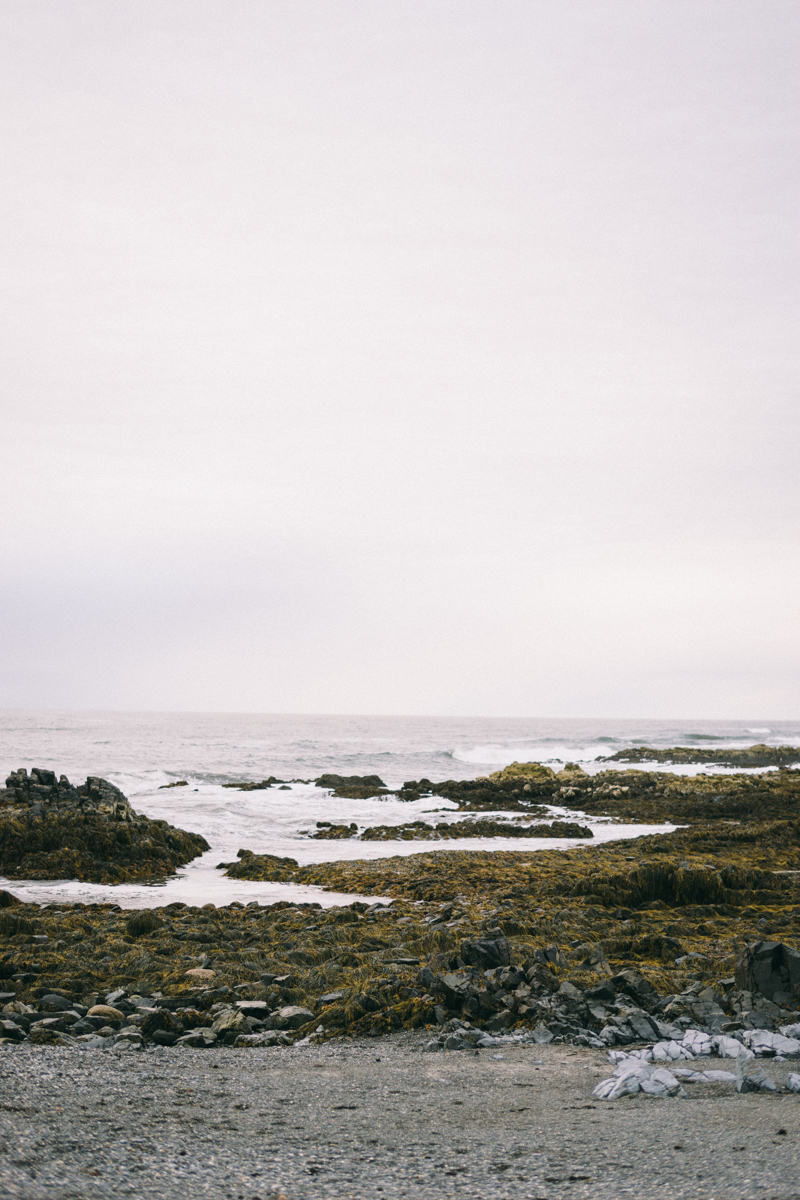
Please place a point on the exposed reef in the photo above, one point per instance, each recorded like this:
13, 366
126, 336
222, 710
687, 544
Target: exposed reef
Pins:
353, 787
631, 794
422, 831
50, 829
751, 756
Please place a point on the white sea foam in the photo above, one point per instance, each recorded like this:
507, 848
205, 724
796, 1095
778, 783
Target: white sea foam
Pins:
281, 823
555, 753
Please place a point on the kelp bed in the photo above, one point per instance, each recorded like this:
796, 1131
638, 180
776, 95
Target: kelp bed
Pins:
675, 909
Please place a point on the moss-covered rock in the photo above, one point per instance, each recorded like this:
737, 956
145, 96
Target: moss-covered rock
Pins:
50, 829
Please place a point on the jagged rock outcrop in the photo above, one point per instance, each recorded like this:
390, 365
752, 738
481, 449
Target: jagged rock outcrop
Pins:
50, 829
772, 969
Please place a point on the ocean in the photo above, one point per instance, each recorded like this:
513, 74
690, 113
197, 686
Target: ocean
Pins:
143, 752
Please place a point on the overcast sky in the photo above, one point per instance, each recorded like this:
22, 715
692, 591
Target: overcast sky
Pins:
434, 357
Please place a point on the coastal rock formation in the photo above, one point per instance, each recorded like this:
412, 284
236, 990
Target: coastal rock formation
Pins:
530, 772
753, 756
50, 829
617, 945
444, 830
631, 794
353, 787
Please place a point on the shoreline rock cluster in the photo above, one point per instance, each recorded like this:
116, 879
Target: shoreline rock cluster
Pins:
445, 831
614, 944
50, 829
485, 985
759, 755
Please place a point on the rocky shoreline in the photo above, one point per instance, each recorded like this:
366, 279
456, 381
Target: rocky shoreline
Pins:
596, 946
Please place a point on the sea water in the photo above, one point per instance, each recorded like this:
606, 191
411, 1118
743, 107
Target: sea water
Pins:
143, 752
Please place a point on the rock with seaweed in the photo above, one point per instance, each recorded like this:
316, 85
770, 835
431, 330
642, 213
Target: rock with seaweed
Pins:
514, 792
630, 794
353, 787
444, 830
50, 829
658, 796
511, 950
759, 755
677, 907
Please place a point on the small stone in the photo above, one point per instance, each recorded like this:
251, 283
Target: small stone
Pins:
751, 1076
229, 1021
453, 1042
270, 1037
197, 1039
292, 1016
106, 1012
163, 1037
55, 1003
131, 1035
500, 1021
200, 973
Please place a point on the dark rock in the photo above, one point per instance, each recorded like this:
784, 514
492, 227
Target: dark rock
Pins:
7, 900
426, 977
160, 1020
163, 1037
769, 968
551, 954
486, 953
55, 1003
603, 993
759, 755
197, 1039
83, 1026
354, 787
500, 1021
635, 986
292, 1016
255, 1008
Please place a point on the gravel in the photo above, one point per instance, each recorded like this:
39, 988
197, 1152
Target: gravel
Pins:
372, 1119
